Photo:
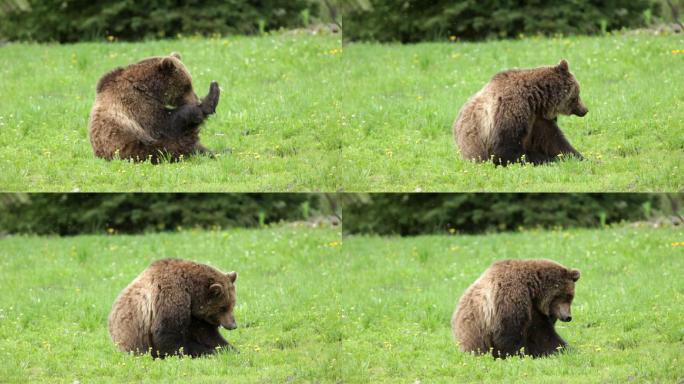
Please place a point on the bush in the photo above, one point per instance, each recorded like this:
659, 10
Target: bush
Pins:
413, 214
73, 213
416, 20
74, 20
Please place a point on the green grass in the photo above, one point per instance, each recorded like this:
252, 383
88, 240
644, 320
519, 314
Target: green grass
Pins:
275, 125
296, 115
400, 104
627, 315
373, 310
57, 294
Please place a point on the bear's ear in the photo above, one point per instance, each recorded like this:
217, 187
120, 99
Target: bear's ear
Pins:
216, 290
574, 274
562, 66
167, 64
176, 55
232, 276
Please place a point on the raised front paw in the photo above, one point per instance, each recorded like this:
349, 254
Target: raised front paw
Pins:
210, 102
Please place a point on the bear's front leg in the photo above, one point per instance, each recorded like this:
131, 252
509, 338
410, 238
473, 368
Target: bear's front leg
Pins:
169, 342
182, 119
202, 150
209, 103
195, 349
170, 327
538, 158
206, 334
549, 140
541, 337
545, 341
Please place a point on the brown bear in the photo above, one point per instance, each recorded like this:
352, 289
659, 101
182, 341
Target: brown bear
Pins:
149, 110
514, 117
512, 308
174, 307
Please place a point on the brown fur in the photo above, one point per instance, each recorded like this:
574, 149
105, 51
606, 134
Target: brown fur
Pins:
174, 307
513, 118
149, 110
512, 308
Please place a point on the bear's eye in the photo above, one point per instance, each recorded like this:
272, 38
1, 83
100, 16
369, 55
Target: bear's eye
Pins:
224, 308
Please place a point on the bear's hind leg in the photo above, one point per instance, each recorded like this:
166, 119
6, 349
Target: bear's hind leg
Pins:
507, 343
507, 140
508, 334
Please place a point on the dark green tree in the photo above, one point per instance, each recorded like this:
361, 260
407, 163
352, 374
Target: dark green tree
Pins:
410, 21
74, 20
413, 214
74, 213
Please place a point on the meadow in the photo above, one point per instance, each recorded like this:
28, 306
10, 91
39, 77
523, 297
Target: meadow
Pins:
627, 313
400, 103
299, 113
313, 308
275, 128
57, 294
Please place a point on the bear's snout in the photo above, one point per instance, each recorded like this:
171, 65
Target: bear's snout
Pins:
566, 319
580, 110
228, 322
230, 326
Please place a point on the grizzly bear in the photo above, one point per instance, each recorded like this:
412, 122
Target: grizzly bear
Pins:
149, 110
514, 117
174, 307
512, 308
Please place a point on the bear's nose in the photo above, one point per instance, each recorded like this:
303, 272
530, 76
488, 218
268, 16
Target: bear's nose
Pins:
231, 326
569, 318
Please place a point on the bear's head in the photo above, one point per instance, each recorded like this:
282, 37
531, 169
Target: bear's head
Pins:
558, 293
164, 79
217, 301
567, 99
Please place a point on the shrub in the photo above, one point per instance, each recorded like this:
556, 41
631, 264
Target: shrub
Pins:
74, 20
410, 21
73, 213
413, 214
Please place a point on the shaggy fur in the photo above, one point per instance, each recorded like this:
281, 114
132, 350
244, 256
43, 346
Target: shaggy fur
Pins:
149, 110
512, 308
514, 117
174, 307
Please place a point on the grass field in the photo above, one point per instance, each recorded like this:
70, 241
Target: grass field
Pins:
628, 312
400, 104
297, 114
57, 293
311, 309
275, 126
